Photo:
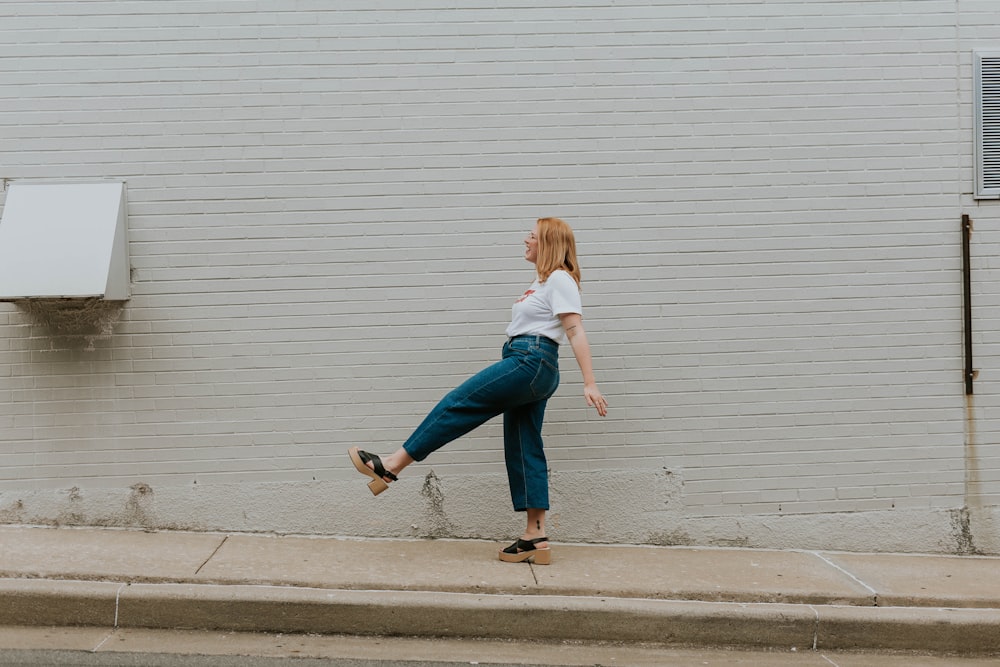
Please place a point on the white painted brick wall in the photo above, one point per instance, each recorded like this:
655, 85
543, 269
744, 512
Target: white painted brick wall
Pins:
326, 208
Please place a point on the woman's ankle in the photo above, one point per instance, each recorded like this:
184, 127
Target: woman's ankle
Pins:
393, 463
397, 461
535, 527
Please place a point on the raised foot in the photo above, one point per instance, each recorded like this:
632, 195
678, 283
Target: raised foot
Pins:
376, 470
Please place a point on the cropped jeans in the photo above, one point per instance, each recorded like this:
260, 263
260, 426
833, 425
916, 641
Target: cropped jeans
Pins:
519, 386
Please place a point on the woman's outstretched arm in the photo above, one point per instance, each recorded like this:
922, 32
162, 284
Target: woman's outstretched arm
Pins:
573, 324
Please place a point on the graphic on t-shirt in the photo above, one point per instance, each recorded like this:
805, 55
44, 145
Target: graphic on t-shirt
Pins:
525, 295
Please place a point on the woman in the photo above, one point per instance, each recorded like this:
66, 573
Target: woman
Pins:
548, 314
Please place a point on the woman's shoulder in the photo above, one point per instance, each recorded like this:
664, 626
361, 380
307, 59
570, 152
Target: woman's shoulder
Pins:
561, 275
561, 278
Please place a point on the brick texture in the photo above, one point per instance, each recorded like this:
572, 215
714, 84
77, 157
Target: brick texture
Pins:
326, 210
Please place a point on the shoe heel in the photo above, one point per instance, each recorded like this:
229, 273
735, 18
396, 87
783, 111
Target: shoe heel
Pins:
377, 486
541, 556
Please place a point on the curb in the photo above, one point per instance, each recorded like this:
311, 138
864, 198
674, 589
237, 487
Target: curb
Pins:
281, 609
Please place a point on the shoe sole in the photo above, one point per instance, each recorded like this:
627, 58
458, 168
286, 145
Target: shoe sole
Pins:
536, 556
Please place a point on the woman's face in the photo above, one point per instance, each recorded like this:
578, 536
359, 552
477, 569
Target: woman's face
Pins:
531, 245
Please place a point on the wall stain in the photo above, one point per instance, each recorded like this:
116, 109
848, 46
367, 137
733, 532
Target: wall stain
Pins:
71, 516
961, 531
439, 526
73, 323
14, 514
961, 519
138, 507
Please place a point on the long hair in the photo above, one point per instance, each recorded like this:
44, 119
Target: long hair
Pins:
556, 249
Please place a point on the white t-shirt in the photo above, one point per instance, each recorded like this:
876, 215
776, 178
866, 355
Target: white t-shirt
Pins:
539, 308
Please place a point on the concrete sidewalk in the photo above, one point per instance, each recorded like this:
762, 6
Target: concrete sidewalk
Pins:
672, 595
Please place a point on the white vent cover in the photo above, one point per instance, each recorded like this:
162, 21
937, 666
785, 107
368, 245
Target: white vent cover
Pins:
64, 241
987, 110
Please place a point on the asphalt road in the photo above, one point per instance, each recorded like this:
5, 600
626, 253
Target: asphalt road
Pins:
103, 647
48, 658
665, 658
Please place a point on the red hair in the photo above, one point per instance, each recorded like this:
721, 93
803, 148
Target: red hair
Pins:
556, 249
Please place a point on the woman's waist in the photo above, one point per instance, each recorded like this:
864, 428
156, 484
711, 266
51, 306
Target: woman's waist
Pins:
536, 339
533, 345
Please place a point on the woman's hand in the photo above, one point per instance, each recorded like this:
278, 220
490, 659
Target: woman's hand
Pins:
595, 399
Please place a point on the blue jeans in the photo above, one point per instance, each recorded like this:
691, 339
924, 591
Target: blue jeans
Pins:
519, 386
